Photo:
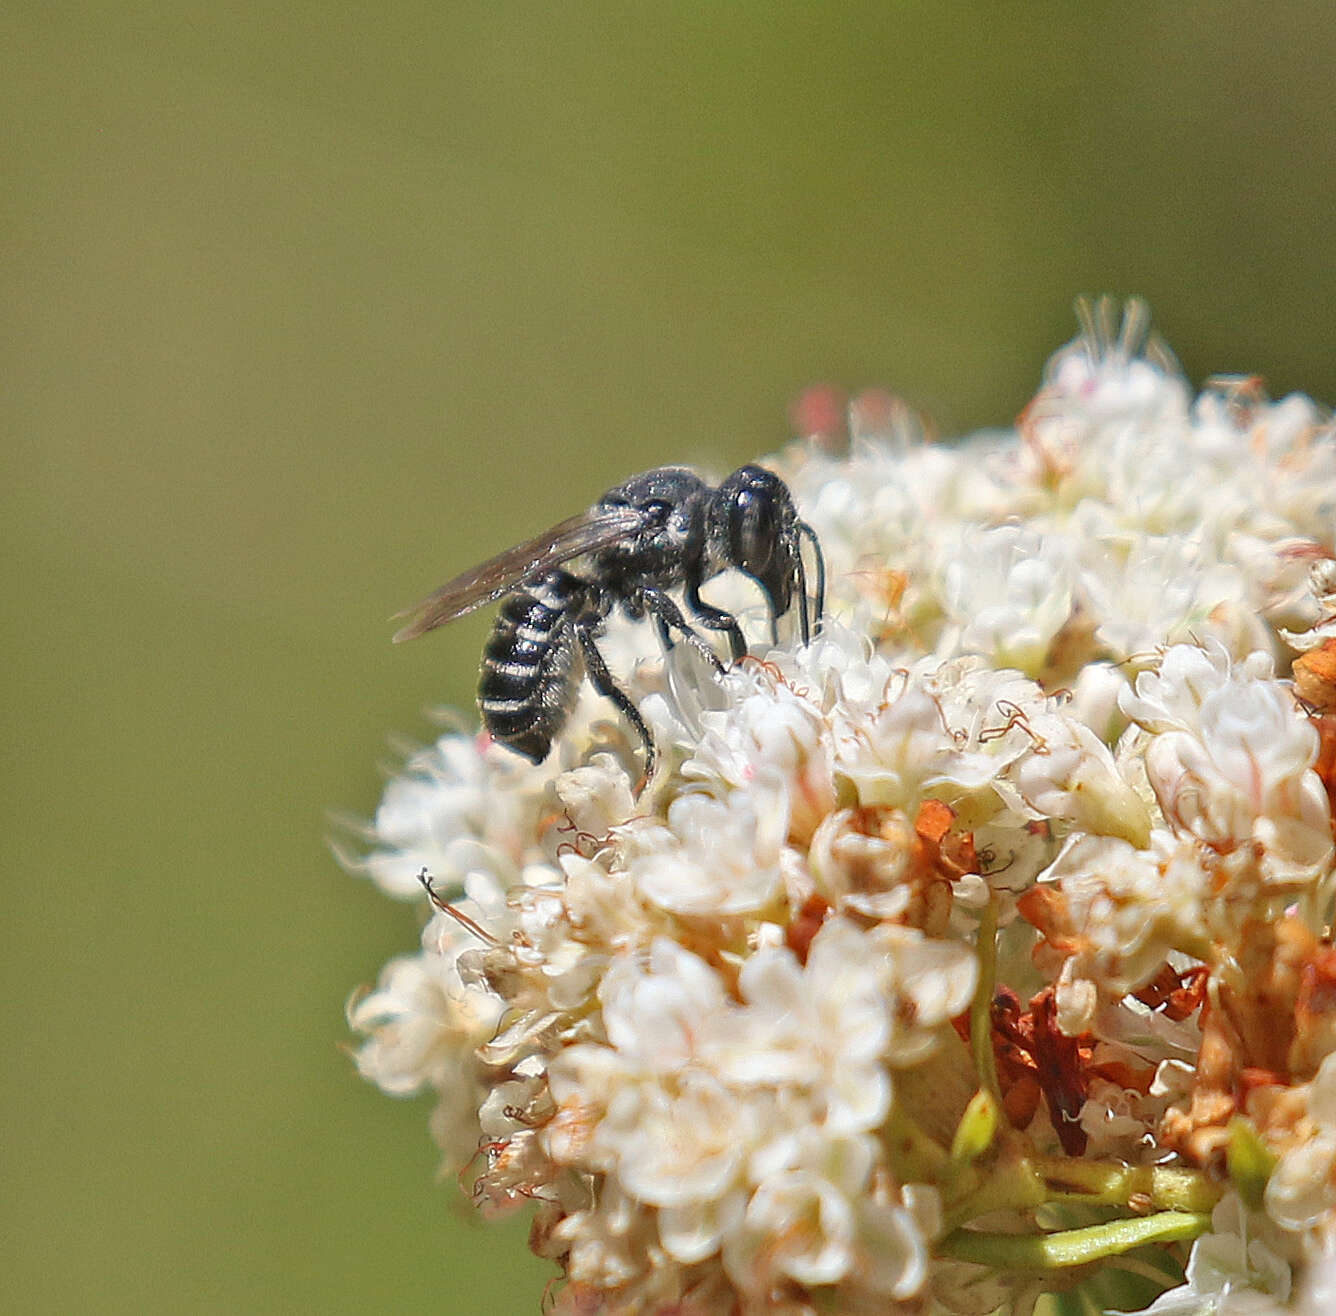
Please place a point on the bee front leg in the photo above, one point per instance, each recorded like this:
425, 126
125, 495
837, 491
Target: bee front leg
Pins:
606, 684
716, 619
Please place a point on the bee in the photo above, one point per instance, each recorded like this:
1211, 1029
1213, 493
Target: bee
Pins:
660, 533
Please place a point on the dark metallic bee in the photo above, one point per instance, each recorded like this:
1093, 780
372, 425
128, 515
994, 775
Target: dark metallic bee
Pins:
663, 530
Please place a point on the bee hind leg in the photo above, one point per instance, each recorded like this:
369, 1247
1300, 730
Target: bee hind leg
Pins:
606, 684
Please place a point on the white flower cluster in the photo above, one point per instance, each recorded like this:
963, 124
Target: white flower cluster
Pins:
999, 909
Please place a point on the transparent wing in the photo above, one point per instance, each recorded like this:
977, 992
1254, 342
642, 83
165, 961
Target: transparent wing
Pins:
484, 583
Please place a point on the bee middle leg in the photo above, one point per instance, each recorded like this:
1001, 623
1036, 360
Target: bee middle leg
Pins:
606, 684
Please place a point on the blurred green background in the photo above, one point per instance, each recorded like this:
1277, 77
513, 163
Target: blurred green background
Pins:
306, 307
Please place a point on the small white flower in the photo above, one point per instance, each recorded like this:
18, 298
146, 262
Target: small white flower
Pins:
812, 1204
444, 816
1169, 696
1124, 910
1234, 1270
1303, 1187
933, 981
658, 1012
1232, 761
1010, 590
423, 1027
597, 795
1317, 1296
823, 1027
1070, 774
714, 856
1316, 607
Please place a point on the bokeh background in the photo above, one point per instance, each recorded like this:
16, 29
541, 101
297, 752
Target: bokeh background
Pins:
306, 306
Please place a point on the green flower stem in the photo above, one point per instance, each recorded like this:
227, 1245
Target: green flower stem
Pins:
1031, 1181
973, 1192
981, 1020
1098, 1183
1071, 1247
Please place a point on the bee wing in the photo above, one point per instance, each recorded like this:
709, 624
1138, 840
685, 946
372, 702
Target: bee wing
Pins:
498, 575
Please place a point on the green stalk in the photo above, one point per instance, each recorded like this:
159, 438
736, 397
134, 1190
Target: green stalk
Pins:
1101, 1184
981, 1019
1027, 1182
1071, 1247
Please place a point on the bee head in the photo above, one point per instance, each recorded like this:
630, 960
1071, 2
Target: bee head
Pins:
756, 531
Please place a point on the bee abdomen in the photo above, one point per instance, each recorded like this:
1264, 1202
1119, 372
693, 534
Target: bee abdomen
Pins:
525, 689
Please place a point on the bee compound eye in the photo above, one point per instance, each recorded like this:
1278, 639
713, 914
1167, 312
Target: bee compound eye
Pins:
756, 529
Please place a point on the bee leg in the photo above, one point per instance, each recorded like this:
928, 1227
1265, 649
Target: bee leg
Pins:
606, 684
716, 619
669, 617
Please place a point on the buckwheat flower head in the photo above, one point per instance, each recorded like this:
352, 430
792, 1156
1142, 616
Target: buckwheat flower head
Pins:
979, 947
